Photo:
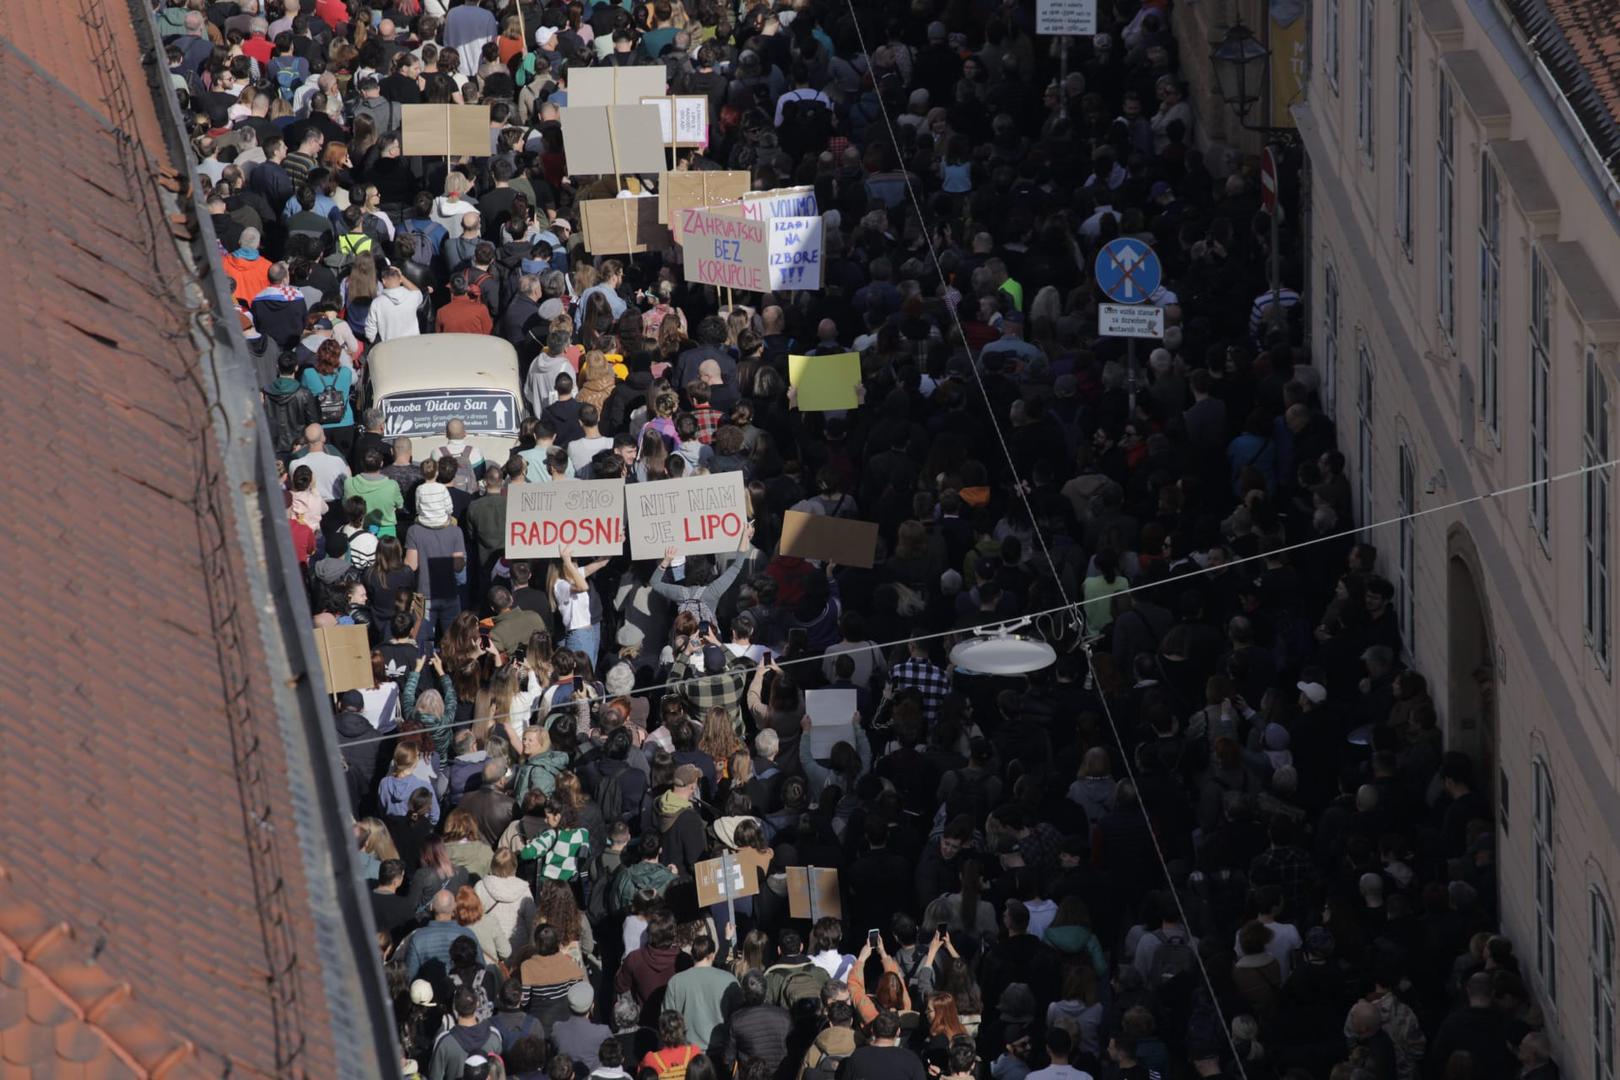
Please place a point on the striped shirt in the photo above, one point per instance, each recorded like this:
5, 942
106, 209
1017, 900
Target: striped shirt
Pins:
1287, 297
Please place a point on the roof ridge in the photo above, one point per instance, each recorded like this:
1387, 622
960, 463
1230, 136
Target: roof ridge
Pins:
45, 948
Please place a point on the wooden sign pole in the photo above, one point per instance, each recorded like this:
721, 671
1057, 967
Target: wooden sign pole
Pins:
731, 904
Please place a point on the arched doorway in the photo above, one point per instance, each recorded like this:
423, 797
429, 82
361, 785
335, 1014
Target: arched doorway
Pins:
1471, 660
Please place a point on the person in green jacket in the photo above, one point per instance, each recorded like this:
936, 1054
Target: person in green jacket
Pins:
381, 493
646, 873
540, 767
433, 709
703, 994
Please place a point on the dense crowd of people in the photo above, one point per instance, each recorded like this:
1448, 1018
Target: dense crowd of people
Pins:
1220, 836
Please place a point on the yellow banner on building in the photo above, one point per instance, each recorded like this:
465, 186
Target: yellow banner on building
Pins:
1290, 62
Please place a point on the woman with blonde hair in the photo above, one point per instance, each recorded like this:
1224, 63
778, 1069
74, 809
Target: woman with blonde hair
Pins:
464, 841
596, 380
376, 845
507, 900
357, 292
470, 913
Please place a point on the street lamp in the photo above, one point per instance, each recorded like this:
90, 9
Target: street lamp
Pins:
1242, 66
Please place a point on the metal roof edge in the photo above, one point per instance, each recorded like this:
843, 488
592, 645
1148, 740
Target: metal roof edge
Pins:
349, 966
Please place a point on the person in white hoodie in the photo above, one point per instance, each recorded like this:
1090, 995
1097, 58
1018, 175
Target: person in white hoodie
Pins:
449, 208
507, 899
393, 312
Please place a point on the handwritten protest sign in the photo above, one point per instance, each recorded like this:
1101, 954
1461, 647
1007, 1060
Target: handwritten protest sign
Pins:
696, 515
825, 383
585, 516
683, 119
795, 253
724, 251
765, 205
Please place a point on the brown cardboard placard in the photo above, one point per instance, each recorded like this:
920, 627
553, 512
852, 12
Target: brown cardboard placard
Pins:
745, 865
694, 190
613, 85
345, 653
444, 130
829, 539
823, 903
622, 226
612, 139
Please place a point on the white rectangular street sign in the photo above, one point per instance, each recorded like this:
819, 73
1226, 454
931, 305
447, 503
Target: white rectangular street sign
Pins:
1066, 16
1130, 320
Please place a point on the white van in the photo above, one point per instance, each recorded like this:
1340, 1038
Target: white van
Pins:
421, 383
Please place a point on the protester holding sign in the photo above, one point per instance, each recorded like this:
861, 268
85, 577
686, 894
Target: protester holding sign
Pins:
578, 606
699, 588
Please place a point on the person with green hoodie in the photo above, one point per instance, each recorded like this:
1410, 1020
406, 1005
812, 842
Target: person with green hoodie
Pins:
647, 872
541, 765
381, 493
1070, 934
679, 823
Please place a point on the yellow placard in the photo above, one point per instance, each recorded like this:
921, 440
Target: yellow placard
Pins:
825, 382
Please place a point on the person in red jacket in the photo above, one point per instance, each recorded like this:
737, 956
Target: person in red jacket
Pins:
465, 313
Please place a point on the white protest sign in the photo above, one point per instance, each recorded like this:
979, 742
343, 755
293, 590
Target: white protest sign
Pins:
832, 720
724, 251
795, 253
781, 202
695, 515
1066, 16
585, 516
683, 119
1130, 320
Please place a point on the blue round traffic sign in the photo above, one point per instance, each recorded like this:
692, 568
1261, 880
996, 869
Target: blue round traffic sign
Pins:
1128, 271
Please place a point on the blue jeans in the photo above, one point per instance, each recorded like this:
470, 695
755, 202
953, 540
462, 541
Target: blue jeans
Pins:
436, 620
588, 640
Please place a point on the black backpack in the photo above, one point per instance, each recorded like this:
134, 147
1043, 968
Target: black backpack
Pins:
826, 1068
970, 796
807, 124
610, 799
332, 402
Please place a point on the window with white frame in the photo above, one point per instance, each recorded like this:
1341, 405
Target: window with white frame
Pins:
1490, 291
1330, 337
1403, 127
1330, 44
1546, 910
1364, 437
1404, 570
1596, 508
1540, 393
1445, 209
1602, 963
1365, 74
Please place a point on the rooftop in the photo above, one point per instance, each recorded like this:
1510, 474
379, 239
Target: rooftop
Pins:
1579, 42
174, 899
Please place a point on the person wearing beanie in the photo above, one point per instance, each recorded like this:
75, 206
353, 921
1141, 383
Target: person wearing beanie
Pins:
436, 549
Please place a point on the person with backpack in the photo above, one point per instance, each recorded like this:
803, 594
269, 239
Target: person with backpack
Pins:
469, 459
833, 1044
469, 1037
290, 406
1167, 953
465, 313
330, 383
795, 978
676, 1051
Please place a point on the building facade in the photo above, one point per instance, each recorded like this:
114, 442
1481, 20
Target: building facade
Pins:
1465, 265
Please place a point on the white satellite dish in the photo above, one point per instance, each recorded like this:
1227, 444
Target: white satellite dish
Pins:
1003, 654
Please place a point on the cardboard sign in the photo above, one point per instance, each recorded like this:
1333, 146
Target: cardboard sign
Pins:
678, 191
813, 893
1065, 16
444, 130
695, 515
795, 253
345, 653
1130, 320
684, 119
612, 139
780, 202
829, 539
612, 85
832, 720
715, 887
585, 516
825, 383
724, 251
622, 226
